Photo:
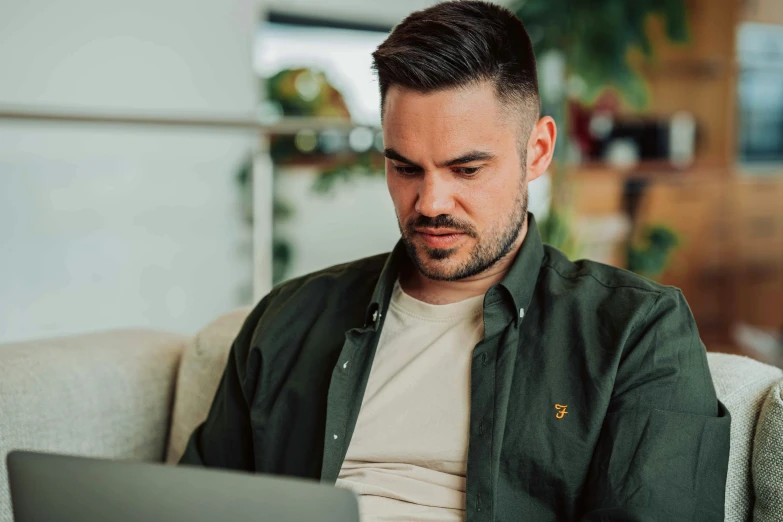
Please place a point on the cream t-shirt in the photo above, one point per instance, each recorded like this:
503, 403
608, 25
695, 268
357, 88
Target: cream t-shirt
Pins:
408, 454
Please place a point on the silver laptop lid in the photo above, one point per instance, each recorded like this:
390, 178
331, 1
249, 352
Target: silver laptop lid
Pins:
46, 488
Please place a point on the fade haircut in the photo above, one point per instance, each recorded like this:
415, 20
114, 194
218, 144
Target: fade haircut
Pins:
458, 44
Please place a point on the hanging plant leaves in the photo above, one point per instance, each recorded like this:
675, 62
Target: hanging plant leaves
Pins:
595, 37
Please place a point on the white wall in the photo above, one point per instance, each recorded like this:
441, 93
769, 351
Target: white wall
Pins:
115, 226
167, 55
354, 220
104, 228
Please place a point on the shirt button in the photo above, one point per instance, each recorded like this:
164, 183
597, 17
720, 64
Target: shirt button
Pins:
375, 316
335, 436
345, 365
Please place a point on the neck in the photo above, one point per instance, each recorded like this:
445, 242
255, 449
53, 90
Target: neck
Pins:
419, 286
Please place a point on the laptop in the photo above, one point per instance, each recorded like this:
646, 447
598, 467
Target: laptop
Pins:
46, 488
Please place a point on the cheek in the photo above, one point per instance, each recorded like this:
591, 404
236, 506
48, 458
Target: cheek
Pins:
402, 194
490, 202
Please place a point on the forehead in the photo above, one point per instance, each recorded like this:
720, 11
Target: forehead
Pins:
448, 121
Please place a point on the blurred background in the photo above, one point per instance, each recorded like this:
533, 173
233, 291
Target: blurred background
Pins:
163, 162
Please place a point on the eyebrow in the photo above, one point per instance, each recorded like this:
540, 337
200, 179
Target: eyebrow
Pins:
475, 155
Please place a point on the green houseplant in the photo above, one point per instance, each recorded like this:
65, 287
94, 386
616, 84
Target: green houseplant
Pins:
650, 255
595, 36
300, 92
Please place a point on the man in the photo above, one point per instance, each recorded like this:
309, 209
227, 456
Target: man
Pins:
474, 373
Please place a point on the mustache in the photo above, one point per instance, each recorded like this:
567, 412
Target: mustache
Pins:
441, 221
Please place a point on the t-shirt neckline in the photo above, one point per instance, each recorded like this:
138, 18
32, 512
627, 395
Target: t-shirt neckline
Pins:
431, 312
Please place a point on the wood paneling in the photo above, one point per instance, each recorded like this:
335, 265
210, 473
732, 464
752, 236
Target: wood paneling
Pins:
729, 264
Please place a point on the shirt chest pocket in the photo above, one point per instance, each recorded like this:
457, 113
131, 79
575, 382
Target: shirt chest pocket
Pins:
547, 450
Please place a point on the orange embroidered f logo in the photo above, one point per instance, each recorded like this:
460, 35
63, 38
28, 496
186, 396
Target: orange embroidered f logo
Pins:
561, 410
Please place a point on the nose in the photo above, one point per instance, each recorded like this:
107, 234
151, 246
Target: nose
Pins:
434, 196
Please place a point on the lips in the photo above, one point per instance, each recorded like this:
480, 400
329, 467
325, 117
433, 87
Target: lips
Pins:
439, 237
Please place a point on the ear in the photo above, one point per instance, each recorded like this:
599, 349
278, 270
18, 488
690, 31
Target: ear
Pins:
541, 147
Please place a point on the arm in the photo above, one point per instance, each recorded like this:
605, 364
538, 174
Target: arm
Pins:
225, 439
664, 445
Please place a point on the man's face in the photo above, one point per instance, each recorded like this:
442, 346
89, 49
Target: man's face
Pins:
456, 176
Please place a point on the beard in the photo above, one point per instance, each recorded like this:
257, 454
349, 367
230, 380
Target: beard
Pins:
490, 247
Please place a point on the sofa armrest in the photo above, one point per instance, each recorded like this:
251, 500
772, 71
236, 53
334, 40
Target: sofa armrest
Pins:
106, 394
768, 459
742, 384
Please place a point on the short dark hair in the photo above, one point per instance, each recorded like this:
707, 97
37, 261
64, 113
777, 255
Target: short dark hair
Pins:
457, 43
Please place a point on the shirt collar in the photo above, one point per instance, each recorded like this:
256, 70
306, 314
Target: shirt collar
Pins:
518, 284
520, 281
383, 288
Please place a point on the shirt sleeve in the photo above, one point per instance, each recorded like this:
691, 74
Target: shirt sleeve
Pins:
225, 439
664, 445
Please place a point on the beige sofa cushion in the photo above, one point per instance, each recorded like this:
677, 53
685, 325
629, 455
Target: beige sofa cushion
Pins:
203, 362
768, 459
105, 394
742, 385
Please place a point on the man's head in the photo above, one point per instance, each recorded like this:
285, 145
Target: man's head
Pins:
462, 133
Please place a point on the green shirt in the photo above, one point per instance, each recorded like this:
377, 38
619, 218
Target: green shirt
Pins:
591, 398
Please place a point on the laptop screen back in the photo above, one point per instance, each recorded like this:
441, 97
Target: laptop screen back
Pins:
75, 489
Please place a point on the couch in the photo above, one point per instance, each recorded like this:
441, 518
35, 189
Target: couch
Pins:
138, 394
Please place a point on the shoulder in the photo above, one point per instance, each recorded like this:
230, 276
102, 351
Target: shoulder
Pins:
619, 295
594, 274
644, 328
340, 290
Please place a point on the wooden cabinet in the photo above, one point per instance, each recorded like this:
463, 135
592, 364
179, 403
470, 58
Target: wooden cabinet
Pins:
758, 229
758, 219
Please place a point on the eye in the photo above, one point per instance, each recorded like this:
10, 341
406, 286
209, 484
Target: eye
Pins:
407, 170
466, 171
